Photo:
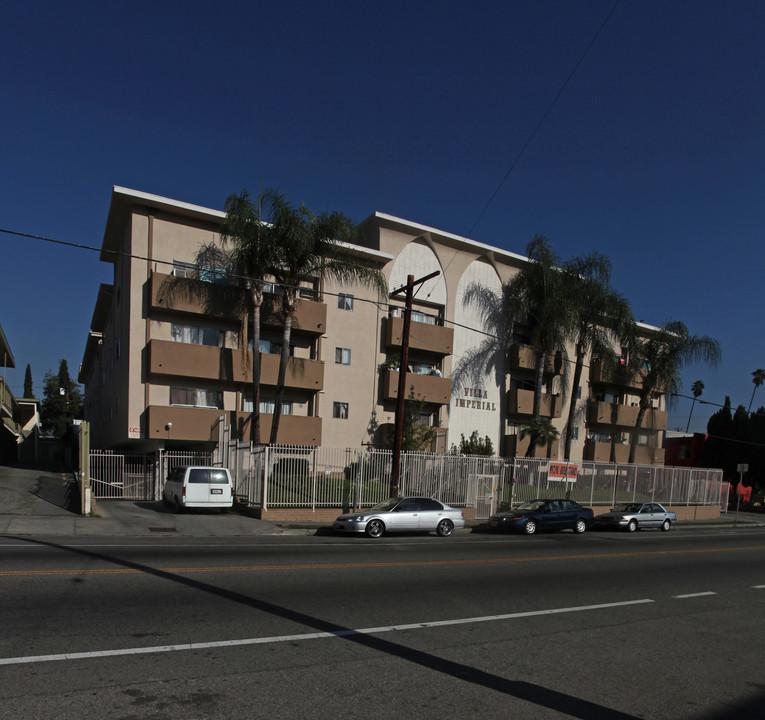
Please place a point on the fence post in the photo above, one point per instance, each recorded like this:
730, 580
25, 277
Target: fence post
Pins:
266, 465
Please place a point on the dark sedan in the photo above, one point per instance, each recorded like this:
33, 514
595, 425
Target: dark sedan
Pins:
544, 514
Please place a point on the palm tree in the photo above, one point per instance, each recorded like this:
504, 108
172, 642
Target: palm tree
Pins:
309, 246
247, 255
758, 378
600, 316
657, 361
540, 431
539, 294
697, 388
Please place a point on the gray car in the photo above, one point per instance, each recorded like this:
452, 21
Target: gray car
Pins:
408, 514
635, 515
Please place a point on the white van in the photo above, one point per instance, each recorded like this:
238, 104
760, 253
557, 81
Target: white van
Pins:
198, 486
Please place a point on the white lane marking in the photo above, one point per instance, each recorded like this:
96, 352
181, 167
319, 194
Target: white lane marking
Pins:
758, 587
308, 636
693, 595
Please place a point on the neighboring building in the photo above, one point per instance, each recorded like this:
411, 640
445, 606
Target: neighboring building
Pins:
162, 365
19, 417
683, 449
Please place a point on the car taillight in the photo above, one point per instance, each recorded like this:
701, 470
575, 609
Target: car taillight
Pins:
184, 491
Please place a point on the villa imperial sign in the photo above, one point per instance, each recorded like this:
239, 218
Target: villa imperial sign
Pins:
475, 399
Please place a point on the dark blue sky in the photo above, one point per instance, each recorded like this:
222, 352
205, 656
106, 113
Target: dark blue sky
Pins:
654, 154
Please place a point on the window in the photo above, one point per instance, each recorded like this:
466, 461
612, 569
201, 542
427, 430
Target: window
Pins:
269, 406
271, 347
196, 335
643, 439
579, 393
210, 274
340, 410
196, 397
184, 269
575, 433
343, 356
345, 301
273, 288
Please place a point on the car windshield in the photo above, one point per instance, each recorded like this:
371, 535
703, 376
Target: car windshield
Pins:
530, 506
388, 504
628, 508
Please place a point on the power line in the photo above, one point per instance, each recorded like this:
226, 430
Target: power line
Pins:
544, 117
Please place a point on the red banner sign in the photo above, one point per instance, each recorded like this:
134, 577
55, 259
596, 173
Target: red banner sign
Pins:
562, 471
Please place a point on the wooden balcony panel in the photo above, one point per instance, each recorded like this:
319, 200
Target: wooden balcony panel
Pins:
302, 373
516, 446
429, 388
613, 375
647, 455
523, 357
431, 338
188, 296
655, 420
613, 414
601, 451
310, 315
203, 362
521, 402
196, 424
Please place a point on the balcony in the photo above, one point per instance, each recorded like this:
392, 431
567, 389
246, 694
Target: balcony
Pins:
521, 402
203, 362
422, 336
428, 388
655, 420
516, 446
612, 374
523, 357
188, 296
614, 414
195, 425
310, 315
601, 452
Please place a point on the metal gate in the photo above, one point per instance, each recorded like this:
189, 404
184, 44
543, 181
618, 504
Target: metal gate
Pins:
486, 496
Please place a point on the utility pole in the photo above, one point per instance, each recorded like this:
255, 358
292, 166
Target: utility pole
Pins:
399, 428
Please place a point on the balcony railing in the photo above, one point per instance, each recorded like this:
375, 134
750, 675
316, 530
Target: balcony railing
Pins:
516, 446
204, 362
522, 357
422, 336
169, 293
429, 388
521, 402
195, 425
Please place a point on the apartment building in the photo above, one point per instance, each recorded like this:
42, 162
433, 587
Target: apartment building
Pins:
165, 360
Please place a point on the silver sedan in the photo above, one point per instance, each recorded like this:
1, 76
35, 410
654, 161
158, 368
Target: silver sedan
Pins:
409, 514
635, 515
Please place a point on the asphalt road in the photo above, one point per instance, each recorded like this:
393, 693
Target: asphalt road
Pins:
650, 625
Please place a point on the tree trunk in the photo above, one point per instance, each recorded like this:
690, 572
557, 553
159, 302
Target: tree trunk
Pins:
572, 402
540, 371
636, 431
283, 360
255, 422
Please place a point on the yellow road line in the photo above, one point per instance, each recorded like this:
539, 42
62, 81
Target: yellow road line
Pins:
342, 566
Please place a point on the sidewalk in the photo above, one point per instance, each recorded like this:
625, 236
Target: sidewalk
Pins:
34, 503
40, 503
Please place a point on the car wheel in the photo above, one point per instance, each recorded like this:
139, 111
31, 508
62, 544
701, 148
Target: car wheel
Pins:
530, 527
632, 525
445, 527
580, 526
375, 528
666, 525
